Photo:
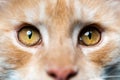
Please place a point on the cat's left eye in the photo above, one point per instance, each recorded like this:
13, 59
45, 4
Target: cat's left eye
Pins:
29, 35
90, 35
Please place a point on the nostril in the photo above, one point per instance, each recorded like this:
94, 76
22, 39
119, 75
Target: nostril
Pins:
53, 75
72, 74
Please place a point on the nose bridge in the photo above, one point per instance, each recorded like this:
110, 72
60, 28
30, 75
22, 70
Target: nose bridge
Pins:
61, 52
61, 60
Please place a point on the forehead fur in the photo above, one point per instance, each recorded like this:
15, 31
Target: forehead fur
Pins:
56, 11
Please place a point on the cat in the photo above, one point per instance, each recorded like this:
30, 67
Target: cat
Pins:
59, 39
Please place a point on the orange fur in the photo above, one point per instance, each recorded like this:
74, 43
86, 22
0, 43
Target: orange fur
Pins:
60, 21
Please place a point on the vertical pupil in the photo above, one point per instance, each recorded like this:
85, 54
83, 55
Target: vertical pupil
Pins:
89, 34
29, 34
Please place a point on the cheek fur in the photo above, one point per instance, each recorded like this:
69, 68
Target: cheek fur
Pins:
14, 56
102, 56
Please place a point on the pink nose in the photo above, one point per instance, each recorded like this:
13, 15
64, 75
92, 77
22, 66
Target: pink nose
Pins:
62, 74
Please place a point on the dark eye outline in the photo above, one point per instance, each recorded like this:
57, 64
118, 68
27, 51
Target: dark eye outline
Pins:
25, 25
82, 31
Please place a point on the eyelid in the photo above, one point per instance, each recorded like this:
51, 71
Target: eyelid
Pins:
96, 25
20, 26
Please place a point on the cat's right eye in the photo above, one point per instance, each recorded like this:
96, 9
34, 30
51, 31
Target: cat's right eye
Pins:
29, 35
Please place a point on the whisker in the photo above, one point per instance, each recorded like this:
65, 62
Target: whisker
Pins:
117, 76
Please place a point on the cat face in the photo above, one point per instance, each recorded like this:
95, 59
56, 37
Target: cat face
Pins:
59, 40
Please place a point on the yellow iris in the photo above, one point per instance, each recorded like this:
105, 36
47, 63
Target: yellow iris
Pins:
90, 36
29, 36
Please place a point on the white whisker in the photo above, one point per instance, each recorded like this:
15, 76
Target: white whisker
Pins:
116, 76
